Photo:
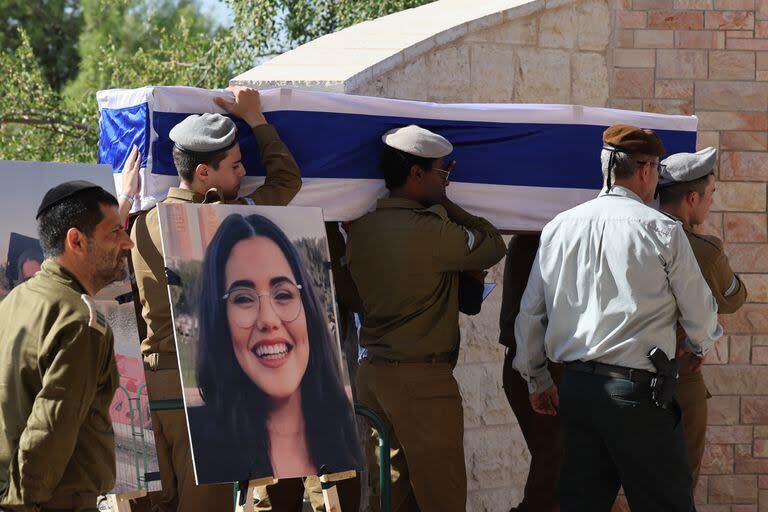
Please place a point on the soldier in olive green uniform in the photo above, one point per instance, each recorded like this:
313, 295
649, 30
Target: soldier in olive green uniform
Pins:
208, 159
57, 363
405, 258
685, 192
543, 433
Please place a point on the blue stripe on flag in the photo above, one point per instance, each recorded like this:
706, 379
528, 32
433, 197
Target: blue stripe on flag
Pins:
119, 130
338, 145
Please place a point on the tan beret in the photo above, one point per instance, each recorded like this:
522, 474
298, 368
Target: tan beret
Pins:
634, 140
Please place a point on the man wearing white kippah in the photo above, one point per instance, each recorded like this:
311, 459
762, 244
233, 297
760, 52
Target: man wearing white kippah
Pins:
405, 258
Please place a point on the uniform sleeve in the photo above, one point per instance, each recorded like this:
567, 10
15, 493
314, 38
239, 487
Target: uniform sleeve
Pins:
68, 389
467, 242
697, 305
149, 269
530, 330
728, 289
346, 291
283, 179
521, 253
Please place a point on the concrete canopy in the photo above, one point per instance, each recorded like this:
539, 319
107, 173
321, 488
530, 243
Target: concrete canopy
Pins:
348, 59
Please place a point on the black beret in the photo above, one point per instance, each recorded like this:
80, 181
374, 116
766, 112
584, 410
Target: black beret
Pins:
61, 192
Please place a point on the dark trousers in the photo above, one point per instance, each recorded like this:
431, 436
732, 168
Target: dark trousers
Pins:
615, 436
544, 439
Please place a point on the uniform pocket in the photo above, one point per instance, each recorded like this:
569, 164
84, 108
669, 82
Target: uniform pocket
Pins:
432, 382
442, 388
625, 403
100, 422
627, 394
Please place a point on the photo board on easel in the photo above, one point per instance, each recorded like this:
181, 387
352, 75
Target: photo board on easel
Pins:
257, 339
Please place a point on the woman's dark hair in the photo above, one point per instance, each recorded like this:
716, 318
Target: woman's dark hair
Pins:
230, 392
396, 165
32, 254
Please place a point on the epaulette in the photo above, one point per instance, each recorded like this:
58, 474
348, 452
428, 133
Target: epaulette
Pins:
97, 320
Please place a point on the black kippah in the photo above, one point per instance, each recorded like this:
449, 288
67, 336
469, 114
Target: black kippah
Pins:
61, 192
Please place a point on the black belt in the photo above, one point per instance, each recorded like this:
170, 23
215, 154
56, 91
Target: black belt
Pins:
433, 359
611, 370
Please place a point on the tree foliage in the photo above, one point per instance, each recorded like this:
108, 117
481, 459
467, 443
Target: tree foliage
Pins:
52, 28
274, 26
47, 112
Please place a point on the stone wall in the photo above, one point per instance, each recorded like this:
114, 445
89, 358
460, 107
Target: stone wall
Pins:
710, 58
544, 55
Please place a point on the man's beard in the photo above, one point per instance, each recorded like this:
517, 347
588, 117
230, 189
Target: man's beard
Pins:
107, 273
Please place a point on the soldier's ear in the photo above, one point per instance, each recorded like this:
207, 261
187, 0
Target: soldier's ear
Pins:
75, 241
201, 171
692, 197
416, 171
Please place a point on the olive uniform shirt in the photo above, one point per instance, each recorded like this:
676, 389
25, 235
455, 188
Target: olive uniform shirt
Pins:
521, 252
405, 262
727, 288
57, 379
282, 183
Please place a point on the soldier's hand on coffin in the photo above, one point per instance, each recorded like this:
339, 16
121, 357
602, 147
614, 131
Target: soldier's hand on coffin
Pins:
245, 104
130, 181
129, 185
545, 402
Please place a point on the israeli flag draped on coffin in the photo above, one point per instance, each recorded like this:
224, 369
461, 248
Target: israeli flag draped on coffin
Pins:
518, 165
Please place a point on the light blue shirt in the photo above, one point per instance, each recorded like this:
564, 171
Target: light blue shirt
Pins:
608, 284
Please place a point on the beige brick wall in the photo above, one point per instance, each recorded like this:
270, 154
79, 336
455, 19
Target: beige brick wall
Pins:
703, 57
710, 58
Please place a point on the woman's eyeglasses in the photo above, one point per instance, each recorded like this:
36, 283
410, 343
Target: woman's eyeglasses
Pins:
244, 304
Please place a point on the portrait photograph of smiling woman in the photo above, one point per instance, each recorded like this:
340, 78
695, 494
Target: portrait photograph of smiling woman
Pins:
264, 388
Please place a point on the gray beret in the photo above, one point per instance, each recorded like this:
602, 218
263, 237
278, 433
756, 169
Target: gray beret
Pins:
684, 167
204, 133
417, 141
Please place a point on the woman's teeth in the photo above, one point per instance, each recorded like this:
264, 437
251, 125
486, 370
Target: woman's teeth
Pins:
272, 351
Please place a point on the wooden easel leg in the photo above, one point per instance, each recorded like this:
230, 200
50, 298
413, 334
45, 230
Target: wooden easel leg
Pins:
117, 504
245, 503
330, 493
122, 502
331, 498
